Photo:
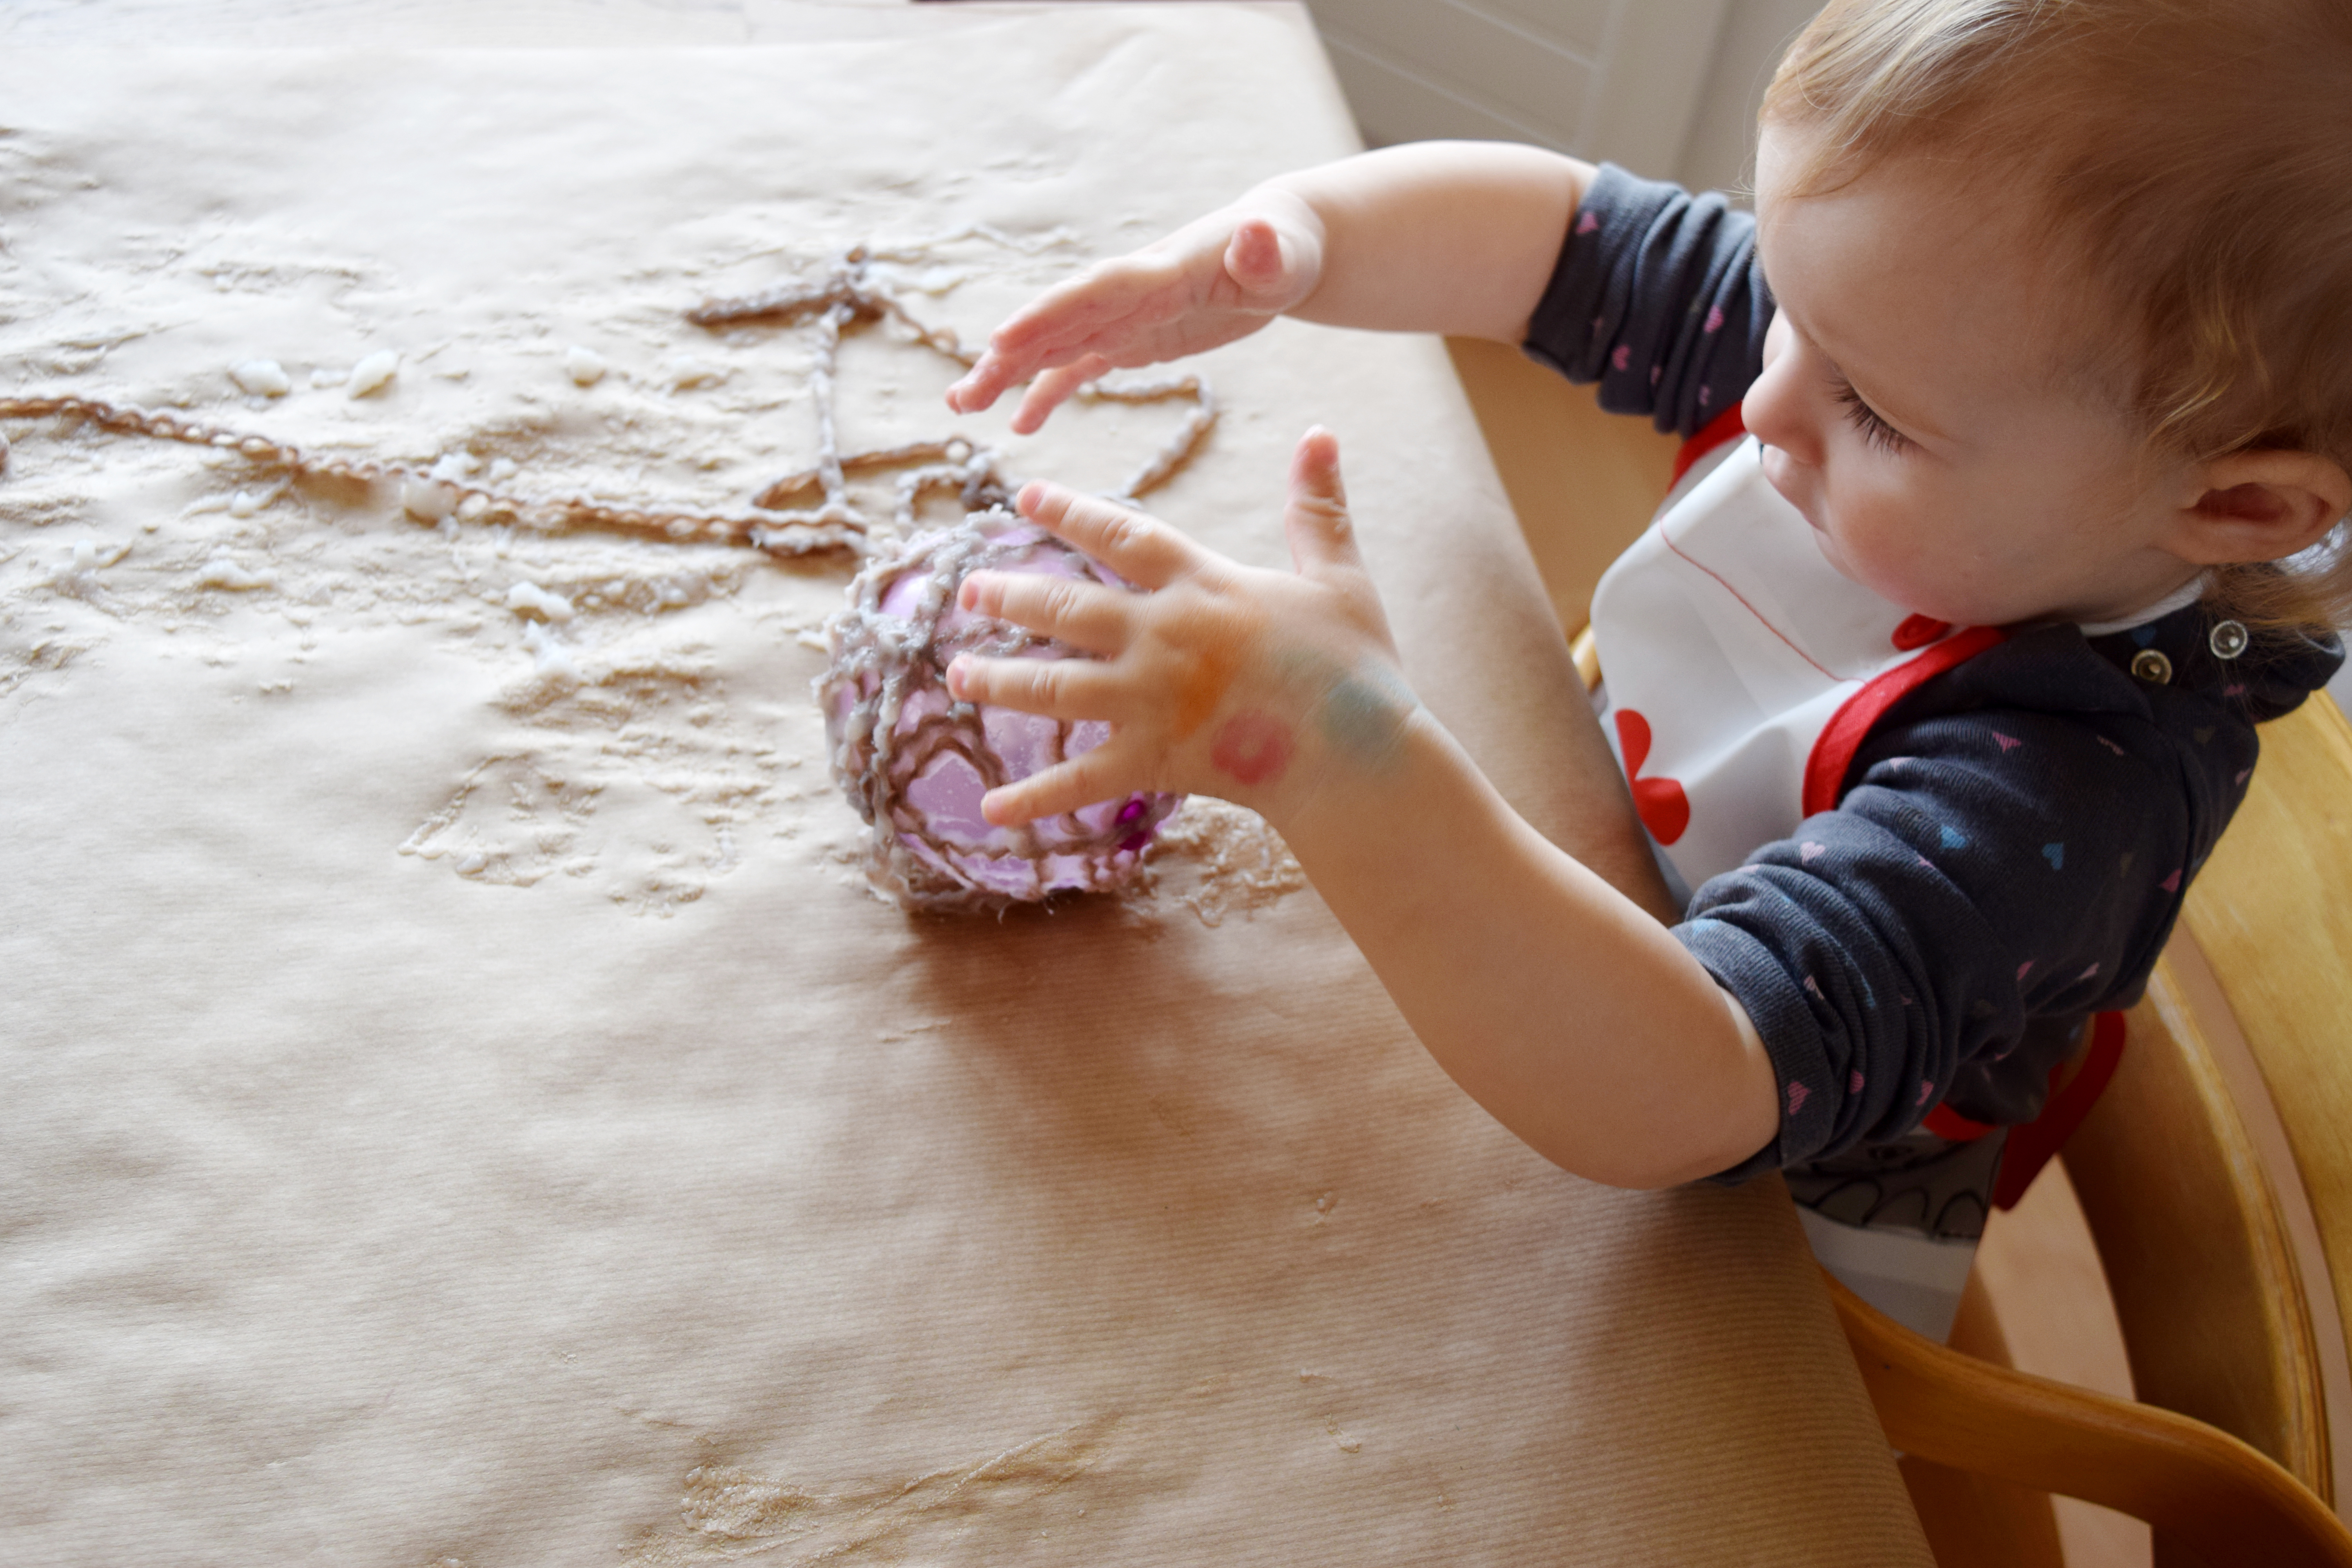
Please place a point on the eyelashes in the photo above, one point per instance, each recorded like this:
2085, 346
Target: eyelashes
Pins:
1864, 418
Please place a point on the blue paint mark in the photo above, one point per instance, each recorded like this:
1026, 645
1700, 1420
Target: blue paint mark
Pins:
1954, 839
2056, 855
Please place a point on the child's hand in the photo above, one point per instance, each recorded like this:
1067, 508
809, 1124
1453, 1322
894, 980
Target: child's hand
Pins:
1217, 279
1250, 685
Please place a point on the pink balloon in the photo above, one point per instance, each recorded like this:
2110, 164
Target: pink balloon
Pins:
914, 762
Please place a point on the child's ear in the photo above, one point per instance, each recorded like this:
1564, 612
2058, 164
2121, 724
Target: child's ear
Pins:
2262, 505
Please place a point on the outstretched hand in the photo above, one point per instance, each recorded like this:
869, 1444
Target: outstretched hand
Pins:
1218, 678
1220, 278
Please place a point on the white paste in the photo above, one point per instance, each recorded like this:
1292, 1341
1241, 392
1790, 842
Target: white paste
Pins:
262, 378
373, 372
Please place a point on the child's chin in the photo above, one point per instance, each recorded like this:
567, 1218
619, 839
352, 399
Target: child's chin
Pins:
1835, 555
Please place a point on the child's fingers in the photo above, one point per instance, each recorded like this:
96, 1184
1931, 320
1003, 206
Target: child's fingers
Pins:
1073, 310
1051, 390
1322, 538
1253, 259
1055, 326
1143, 549
1053, 687
981, 386
1084, 615
1264, 271
1103, 774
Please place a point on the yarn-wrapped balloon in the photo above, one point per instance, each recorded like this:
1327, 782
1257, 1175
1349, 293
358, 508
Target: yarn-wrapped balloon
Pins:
914, 762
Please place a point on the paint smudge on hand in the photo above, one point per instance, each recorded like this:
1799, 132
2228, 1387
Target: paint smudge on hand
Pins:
1364, 716
1203, 687
1253, 747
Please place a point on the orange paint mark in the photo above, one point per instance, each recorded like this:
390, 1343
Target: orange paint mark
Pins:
1204, 686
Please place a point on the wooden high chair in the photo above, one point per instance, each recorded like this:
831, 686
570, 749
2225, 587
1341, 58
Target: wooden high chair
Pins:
2215, 1263
2229, 1269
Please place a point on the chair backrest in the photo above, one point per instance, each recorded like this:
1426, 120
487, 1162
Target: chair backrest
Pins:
2271, 917
2190, 1230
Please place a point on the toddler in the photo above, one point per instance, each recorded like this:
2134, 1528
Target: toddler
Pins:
2016, 501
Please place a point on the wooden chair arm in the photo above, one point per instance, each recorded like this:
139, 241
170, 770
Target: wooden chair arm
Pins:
1587, 654
2218, 1496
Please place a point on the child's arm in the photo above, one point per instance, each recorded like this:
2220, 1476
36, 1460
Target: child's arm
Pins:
1561, 1007
1440, 237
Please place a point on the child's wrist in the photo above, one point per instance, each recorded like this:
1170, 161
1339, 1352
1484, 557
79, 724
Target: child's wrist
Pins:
1359, 751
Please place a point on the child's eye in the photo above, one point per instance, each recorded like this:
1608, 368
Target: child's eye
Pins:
1866, 418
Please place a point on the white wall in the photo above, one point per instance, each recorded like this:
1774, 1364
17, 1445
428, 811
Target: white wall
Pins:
1722, 139
1601, 78
1668, 87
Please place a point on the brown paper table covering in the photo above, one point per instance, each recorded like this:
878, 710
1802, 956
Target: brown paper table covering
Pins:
460, 1104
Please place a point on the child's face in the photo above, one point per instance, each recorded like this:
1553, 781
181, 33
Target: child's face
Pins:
1910, 409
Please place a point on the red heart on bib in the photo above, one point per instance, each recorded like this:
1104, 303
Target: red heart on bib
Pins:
1663, 806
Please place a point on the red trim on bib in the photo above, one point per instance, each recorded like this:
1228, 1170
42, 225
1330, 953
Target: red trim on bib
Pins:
1919, 631
1952, 1127
2031, 1146
1842, 737
1725, 426
2032, 1143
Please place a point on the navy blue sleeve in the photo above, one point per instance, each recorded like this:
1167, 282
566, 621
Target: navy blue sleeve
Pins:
1658, 297
2013, 846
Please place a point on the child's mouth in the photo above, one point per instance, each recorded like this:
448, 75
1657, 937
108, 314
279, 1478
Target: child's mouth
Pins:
1779, 472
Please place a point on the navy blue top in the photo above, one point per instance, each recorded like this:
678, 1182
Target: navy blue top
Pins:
2013, 838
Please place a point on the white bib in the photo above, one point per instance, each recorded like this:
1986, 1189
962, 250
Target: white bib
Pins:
1743, 671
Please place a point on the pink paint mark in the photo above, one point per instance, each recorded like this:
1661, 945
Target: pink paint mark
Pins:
1926, 1089
1588, 222
1853, 1084
1620, 358
2172, 884
1798, 1095
1814, 986
2008, 743
2112, 746
1808, 852
2023, 969
1714, 319
2088, 973
1252, 748
2244, 773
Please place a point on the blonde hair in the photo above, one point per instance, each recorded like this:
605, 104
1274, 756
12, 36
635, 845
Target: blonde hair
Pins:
2194, 158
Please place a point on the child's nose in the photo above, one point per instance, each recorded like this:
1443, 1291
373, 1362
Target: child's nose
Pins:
1777, 412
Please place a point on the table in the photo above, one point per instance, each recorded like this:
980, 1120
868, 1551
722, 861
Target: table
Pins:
463, 1106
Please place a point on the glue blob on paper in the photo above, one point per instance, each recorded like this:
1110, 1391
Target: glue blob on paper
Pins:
914, 762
